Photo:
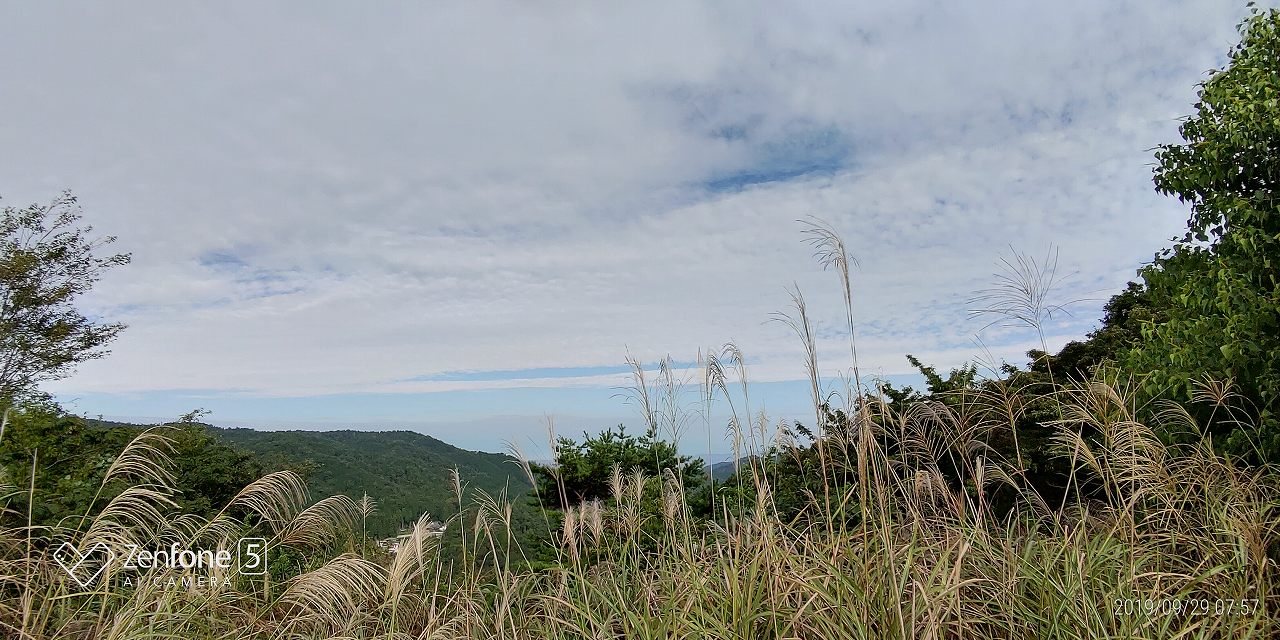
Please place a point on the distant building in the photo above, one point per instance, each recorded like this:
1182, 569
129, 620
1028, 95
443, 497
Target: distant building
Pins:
392, 545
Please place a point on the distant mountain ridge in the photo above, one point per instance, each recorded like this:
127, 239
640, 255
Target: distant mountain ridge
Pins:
406, 472
722, 471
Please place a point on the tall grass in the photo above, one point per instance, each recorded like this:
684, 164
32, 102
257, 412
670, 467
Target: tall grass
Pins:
1174, 542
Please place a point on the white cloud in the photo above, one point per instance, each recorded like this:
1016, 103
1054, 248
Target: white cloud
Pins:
333, 199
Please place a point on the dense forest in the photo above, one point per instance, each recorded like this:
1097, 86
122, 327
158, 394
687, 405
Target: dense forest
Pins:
1125, 485
408, 473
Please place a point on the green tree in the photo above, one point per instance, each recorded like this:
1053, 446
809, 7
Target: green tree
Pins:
208, 473
1218, 289
582, 470
47, 261
1122, 322
70, 456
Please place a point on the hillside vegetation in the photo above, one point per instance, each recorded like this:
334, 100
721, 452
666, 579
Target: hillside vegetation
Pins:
408, 473
1181, 543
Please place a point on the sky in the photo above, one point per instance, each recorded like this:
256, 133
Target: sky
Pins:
462, 218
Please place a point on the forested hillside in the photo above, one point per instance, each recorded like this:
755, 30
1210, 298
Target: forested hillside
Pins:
407, 473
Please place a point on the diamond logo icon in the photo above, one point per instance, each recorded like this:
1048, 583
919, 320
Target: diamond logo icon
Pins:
84, 568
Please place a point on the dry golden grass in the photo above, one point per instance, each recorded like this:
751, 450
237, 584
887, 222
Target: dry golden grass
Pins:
1179, 525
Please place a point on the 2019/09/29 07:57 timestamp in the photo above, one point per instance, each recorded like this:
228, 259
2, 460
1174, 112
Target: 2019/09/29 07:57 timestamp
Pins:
1188, 606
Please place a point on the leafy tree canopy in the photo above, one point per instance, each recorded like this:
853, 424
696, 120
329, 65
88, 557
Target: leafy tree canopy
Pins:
47, 261
71, 455
1218, 288
582, 471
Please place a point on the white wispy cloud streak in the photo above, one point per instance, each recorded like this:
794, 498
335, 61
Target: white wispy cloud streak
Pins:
336, 198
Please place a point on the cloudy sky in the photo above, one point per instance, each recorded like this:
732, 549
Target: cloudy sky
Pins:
461, 217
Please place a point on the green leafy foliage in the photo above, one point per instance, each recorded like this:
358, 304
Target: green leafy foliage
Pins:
408, 473
72, 456
595, 474
1218, 289
71, 459
582, 470
1124, 316
47, 261
210, 472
